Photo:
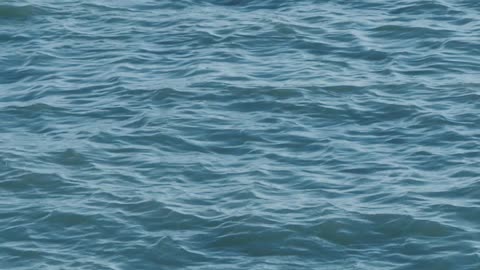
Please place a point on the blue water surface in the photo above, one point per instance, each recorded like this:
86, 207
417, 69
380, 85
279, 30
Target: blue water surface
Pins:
240, 134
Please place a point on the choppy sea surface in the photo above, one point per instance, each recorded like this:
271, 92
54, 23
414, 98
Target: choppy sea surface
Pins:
240, 134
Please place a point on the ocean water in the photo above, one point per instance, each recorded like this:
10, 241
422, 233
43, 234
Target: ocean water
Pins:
240, 134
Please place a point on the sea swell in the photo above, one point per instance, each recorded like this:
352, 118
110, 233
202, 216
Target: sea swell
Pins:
240, 134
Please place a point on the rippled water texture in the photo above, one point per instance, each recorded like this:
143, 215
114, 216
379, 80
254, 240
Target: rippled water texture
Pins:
240, 134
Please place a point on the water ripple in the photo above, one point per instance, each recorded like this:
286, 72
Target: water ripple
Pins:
239, 134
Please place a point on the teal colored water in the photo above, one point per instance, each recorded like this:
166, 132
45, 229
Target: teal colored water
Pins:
247, 134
